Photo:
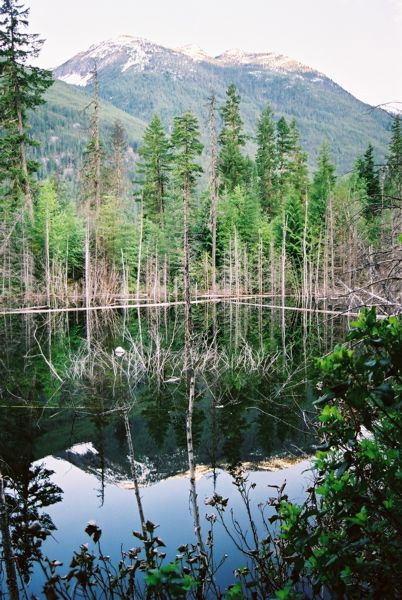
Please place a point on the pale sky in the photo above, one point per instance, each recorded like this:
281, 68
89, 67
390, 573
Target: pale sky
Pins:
358, 43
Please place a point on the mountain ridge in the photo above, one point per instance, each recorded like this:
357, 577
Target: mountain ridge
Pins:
140, 49
142, 79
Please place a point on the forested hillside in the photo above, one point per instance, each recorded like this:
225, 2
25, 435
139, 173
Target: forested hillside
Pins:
61, 126
144, 79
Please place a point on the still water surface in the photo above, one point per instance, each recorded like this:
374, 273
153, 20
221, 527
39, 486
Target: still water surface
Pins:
64, 450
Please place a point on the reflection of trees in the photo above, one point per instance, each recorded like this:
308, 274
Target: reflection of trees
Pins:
233, 425
28, 492
28, 486
156, 411
179, 421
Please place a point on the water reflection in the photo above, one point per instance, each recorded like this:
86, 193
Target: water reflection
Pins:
124, 420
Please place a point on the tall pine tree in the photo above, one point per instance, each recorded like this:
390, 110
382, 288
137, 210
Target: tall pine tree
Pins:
284, 145
266, 162
323, 185
118, 176
186, 146
233, 167
393, 179
156, 157
369, 176
22, 89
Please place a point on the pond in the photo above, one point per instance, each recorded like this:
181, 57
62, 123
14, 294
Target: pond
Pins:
69, 401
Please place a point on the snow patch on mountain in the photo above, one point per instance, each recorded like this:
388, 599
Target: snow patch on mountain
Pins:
76, 78
194, 52
232, 55
137, 58
268, 60
395, 108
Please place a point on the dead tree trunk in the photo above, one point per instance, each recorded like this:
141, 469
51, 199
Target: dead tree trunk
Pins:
283, 260
186, 257
139, 251
47, 257
96, 139
305, 264
214, 183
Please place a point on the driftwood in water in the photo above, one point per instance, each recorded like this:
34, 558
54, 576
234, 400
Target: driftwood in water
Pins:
143, 304
340, 313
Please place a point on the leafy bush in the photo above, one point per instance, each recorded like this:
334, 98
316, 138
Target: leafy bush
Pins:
347, 537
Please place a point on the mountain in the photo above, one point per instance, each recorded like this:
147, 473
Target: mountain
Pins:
62, 124
395, 108
143, 78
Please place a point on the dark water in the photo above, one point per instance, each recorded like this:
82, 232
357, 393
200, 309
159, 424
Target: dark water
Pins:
64, 451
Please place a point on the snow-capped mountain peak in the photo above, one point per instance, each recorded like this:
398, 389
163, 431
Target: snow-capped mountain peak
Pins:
123, 51
194, 52
232, 55
395, 108
129, 53
268, 60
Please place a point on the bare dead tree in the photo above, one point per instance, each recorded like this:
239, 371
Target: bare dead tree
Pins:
213, 181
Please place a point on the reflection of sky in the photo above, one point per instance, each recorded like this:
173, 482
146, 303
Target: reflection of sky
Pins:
165, 503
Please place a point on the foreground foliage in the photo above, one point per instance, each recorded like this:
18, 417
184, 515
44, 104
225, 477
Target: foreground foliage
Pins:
347, 537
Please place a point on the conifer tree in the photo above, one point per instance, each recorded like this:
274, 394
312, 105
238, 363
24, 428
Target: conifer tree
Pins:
284, 147
118, 174
22, 88
323, 185
369, 176
393, 179
294, 228
156, 157
266, 161
93, 174
232, 164
186, 147
297, 167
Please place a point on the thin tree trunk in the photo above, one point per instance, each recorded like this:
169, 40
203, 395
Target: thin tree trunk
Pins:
88, 282
186, 256
260, 266
272, 268
139, 251
283, 260
191, 461
47, 257
305, 265
97, 178
236, 261
214, 183
331, 244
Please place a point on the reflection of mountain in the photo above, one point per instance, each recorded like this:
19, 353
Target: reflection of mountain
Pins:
85, 457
